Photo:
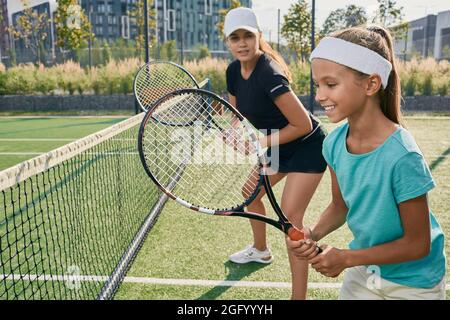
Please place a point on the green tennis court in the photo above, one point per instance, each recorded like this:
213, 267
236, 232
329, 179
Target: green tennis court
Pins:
193, 248
185, 254
24, 138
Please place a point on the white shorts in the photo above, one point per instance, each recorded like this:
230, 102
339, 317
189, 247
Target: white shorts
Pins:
359, 284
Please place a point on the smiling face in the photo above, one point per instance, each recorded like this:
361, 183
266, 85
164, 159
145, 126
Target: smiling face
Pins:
243, 45
340, 91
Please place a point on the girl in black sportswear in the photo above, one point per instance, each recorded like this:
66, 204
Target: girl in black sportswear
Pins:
258, 86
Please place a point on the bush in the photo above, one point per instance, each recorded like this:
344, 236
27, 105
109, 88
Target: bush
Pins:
410, 86
94, 80
427, 86
300, 77
442, 90
425, 77
169, 51
203, 52
2, 83
45, 83
20, 80
214, 69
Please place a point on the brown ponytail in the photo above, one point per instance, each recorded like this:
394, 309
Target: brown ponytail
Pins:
378, 39
266, 48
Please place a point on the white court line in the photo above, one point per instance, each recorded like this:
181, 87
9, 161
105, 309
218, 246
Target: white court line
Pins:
50, 139
177, 282
40, 153
21, 153
226, 283
36, 139
65, 117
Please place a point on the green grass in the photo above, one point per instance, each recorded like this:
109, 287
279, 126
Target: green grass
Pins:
81, 213
186, 245
43, 128
94, 113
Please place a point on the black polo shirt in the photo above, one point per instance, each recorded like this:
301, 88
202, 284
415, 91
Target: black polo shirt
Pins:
255, 96
255, 100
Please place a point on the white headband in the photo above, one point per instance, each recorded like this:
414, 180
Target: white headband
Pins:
353, 56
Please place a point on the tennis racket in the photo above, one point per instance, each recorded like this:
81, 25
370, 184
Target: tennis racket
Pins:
158, 78
215, 165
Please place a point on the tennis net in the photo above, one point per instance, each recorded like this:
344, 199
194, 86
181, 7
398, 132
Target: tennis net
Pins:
72, 220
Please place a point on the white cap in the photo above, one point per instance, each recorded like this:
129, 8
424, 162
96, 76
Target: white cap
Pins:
241, 18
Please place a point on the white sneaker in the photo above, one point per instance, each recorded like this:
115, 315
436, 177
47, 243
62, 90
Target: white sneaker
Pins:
251, 254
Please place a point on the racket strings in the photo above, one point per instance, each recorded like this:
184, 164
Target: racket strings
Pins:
217, 175
155, 80
214, 170
174, 111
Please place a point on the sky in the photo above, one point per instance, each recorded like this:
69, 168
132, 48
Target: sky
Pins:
267, 10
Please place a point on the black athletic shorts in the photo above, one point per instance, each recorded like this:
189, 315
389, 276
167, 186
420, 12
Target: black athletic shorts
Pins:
300, 155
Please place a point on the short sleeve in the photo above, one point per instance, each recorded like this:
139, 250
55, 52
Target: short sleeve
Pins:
274, 82
326, 155
230, 80
329, 145
411, 177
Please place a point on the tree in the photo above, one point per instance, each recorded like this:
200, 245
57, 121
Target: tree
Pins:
339, 19
222, 14
446, 52
137, 16
31, 28
169, 51
390, 16
388, 13
106, 52
72, 25
296, 29
203, 52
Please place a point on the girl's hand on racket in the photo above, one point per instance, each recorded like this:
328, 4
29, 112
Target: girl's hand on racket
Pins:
305, 249
331, 262
235, 139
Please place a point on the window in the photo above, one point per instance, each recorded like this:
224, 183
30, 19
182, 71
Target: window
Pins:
112, 20
125, 24
172, 20
99, 19
208, 7
445, 42
418, 34
445, 32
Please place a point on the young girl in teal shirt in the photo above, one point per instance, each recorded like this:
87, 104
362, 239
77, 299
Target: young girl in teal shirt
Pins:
380, 179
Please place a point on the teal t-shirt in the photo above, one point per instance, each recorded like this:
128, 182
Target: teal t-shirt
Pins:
372, 185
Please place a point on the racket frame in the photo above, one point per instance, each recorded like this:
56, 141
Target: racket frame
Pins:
282, 223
